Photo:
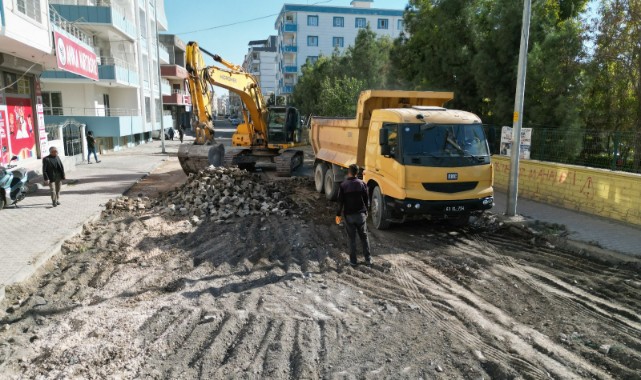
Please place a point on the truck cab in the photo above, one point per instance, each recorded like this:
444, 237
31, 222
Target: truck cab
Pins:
427, 161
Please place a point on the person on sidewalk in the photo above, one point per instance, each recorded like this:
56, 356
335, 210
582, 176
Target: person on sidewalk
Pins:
54, 173
353, 199
181, 132
91, 147
171, 133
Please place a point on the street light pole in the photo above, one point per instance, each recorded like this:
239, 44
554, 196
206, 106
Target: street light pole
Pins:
513, 185
162, 122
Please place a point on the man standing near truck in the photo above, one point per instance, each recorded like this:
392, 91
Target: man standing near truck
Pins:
353, 199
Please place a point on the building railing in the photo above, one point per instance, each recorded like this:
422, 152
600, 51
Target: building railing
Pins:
80, 111
117, 62
69, 27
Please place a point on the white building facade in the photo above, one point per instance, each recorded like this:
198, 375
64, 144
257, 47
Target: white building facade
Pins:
261, 61
123, 107
26, 50
307, 31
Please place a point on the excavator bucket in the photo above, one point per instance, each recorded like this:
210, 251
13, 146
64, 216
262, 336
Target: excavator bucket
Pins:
194, 158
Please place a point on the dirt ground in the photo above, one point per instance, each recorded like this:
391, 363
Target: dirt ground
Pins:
148, 296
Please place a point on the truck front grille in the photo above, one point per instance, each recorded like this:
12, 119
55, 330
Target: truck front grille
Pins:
450, 187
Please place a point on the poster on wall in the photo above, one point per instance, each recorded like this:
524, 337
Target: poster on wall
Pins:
42, 132
21, 127
507, 140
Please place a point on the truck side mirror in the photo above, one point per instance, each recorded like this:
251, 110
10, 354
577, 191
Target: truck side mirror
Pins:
383, 136
383, 141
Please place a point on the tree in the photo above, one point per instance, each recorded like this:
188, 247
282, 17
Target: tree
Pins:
339, 96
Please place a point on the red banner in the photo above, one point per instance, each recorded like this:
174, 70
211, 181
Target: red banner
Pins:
75, 58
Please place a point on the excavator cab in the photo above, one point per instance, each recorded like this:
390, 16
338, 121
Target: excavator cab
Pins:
283, 125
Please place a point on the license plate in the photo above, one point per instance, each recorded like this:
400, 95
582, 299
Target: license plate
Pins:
454, 208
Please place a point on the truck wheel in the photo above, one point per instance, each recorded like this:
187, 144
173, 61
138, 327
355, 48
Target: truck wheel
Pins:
319, 177
331, 187
380, 214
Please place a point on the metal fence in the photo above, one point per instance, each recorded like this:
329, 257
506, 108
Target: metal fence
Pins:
614, 150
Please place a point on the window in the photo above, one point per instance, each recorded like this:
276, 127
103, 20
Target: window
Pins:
339, 22
312, 20
312, 59
148, 109
30, 8
383, 23
400, 25
312, 40
52, 103
338, 42
15, 85
361, 23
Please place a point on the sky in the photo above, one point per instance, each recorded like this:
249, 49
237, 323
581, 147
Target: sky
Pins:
230, 42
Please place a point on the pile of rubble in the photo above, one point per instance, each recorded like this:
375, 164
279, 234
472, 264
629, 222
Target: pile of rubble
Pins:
221, 193
128, 204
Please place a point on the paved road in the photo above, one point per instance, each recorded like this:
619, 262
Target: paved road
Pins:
34, 232
587, 228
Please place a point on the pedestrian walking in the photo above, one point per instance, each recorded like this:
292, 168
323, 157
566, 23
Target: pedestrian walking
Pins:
53, 172
353, 200
171, 133
91, 147
181, 132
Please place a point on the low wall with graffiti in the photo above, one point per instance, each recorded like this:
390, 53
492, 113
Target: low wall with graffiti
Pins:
613, 195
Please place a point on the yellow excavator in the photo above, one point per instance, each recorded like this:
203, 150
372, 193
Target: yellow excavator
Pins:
266, 133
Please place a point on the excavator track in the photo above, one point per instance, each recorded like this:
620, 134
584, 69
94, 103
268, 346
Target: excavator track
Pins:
287, 162
241, 158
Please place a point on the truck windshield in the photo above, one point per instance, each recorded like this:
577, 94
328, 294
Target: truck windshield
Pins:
444, 145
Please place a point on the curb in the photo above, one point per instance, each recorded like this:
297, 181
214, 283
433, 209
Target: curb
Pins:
40, 260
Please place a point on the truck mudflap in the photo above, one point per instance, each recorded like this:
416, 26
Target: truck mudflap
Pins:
450, 208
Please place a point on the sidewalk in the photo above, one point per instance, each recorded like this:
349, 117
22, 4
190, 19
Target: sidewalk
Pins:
609, 234
35, 231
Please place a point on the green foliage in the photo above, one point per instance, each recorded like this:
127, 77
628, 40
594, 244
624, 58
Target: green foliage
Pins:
340, 96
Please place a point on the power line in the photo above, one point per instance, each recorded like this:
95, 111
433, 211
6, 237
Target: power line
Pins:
18, 80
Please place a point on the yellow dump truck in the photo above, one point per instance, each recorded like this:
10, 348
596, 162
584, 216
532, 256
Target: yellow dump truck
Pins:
419, 160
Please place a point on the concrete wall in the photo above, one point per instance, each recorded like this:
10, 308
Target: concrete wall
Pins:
614, 195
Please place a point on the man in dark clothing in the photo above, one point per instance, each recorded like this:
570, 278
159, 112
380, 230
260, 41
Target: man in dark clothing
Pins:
353, 199
91, 147
181, 132
171, 133
53, 172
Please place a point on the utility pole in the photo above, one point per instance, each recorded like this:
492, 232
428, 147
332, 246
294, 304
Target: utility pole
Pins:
162, 122
513, 185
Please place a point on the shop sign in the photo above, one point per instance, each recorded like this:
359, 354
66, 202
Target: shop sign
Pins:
75, 58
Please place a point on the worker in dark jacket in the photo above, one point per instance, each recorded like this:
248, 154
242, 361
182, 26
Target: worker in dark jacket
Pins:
53, 172
91, 147
353, 199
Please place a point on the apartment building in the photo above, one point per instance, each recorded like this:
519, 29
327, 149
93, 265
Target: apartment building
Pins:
178, 103
121, 104
261, 61
307, 31
26, 50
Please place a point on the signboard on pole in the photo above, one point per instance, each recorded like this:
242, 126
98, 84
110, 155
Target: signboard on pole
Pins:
507, 139
75, 58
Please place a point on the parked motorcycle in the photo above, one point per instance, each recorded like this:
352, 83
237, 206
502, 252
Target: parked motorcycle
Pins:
13, 184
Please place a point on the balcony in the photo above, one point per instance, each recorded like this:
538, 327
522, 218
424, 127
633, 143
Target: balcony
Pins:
178, 98
290, 69
163, 53
173, 72
165, 87
289, 49
290, 28
112, 70
102, 18
288, 89
101, 121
